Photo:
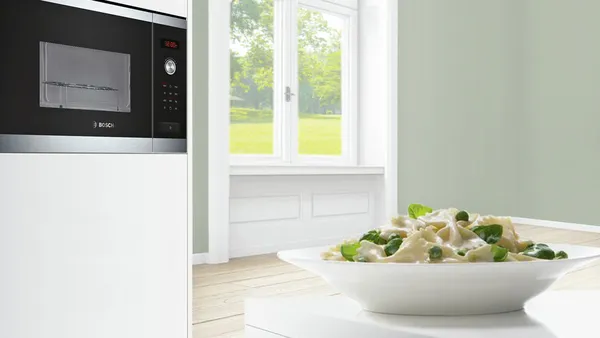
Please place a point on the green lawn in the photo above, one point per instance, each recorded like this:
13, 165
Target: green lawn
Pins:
319, 135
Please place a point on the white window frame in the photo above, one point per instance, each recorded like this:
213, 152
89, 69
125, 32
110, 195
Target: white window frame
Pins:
218, 117
286, 114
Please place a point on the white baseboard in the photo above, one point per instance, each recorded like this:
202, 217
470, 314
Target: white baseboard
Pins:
199, 258
557, 225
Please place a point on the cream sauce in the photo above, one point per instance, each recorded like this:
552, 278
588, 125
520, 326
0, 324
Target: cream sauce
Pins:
439, 228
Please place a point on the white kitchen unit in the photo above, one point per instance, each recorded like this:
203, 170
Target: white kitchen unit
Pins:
93, 246
94, 232
172, 7
557, 314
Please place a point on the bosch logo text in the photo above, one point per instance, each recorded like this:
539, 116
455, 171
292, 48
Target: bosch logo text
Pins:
104, 125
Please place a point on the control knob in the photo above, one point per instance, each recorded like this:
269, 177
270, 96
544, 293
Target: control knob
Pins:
170, 66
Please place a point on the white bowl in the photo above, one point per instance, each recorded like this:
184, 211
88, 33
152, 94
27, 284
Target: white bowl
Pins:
442, 289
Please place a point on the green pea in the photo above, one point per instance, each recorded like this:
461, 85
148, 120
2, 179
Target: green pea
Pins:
435, 253
392, 246
461, 252
462, 216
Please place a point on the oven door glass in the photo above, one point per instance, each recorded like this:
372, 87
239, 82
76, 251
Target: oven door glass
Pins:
82, 78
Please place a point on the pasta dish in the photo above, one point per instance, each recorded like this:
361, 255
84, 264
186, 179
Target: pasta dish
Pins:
442, 236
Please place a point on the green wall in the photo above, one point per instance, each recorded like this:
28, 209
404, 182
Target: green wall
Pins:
561, 162
499, 107
200, 124
456, 133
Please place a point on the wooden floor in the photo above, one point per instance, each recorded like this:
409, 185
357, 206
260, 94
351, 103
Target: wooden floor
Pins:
220, 290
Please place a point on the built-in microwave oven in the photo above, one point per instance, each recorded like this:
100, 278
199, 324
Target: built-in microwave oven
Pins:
86, 76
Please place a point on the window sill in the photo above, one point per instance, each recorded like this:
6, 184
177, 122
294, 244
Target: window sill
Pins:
260, 170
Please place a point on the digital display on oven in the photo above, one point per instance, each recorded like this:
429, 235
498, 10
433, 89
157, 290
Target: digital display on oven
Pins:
170, 44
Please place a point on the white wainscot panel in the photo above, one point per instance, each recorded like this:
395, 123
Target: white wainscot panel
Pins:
340, 204
272, 213
271, 236
271, 208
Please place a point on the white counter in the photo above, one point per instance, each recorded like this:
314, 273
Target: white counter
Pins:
555, 314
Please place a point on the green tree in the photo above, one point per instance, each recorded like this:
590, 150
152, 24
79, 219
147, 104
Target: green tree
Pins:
319, 56
252, 52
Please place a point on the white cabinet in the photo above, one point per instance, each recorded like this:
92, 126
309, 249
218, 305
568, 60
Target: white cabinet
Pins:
172, 7
93, 245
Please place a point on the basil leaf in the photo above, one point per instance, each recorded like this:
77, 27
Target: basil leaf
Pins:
373, 236
417, 210
392, 236
392, 246
541, 251
491, 234
500, 253
349, 251
561, 255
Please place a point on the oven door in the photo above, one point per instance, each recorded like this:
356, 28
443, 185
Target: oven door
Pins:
77, 77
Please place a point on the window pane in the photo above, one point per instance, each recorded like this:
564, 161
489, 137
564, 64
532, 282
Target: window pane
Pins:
320, 83
251, 46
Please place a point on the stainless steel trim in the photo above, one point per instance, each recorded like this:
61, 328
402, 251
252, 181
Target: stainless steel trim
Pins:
106, 8
73, 144
153, 84
169, 21
169, 145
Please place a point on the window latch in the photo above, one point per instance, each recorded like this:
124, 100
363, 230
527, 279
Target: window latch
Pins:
288, 94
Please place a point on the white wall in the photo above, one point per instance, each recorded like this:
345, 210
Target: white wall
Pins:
93, 246
373, 84
272, 213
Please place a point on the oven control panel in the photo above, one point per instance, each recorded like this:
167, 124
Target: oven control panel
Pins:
170, 82
170, 97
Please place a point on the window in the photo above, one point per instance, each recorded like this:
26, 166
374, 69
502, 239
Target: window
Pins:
293, 82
